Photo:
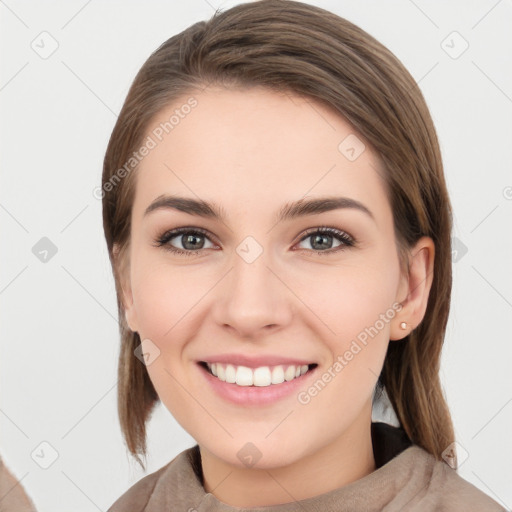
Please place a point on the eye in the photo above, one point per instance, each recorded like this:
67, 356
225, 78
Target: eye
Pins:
321, 240
192, 241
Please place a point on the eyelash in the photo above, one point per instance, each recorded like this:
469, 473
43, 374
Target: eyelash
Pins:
166, 237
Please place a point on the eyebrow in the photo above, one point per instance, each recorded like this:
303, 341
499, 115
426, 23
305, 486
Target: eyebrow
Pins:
293, 210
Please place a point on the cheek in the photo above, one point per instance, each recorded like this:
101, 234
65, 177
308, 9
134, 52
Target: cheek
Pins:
163, 298
350, 298
358, 306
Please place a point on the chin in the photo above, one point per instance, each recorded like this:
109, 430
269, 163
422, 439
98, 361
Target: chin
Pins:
260, 453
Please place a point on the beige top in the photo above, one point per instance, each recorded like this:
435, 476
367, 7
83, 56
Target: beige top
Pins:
12, 494
406, 478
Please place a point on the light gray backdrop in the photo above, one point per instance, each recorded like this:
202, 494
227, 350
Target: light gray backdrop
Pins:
65, 70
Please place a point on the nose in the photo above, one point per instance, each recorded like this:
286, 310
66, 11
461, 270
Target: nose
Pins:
252, 299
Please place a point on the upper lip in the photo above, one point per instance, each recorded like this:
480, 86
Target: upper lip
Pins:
255, 361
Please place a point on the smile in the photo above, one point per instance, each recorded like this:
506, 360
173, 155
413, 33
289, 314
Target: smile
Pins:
262, 376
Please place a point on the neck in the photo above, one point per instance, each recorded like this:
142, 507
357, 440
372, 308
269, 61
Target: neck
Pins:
347, 459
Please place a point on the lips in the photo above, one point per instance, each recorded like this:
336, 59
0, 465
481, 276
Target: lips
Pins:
255, 361
260, 376
253, 387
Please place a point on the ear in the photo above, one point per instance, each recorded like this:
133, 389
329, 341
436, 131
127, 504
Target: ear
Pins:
122, 269
414, 288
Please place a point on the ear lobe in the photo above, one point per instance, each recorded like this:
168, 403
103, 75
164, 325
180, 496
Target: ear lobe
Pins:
122, 270
416, 285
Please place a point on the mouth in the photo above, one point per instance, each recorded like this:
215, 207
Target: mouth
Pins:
262, 376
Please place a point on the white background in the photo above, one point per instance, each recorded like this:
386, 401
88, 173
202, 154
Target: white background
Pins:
59, 337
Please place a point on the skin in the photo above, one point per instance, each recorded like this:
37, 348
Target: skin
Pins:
269, 149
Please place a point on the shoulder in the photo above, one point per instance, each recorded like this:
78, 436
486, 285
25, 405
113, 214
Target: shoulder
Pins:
447, 491
136, 497
458, 492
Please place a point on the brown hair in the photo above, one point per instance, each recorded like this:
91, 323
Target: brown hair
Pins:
293, 47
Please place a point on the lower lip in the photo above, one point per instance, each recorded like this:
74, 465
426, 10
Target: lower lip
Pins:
256, 395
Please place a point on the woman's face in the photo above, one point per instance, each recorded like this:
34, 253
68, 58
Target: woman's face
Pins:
260, 288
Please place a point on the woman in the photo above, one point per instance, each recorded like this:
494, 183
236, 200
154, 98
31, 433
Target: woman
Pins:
278, 225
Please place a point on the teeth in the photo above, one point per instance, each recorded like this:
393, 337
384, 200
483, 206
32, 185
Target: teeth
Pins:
289, 373
221, 372
262, 376
244, 376
230, 374
277, 375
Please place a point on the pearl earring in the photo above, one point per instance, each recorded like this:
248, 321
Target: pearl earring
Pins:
403, 325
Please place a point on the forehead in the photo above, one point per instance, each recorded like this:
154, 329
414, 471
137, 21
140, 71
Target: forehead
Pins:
253, 147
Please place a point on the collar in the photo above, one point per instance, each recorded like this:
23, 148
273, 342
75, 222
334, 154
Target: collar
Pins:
180, 483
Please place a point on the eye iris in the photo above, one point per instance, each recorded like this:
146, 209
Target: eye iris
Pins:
319, 241
190, 239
